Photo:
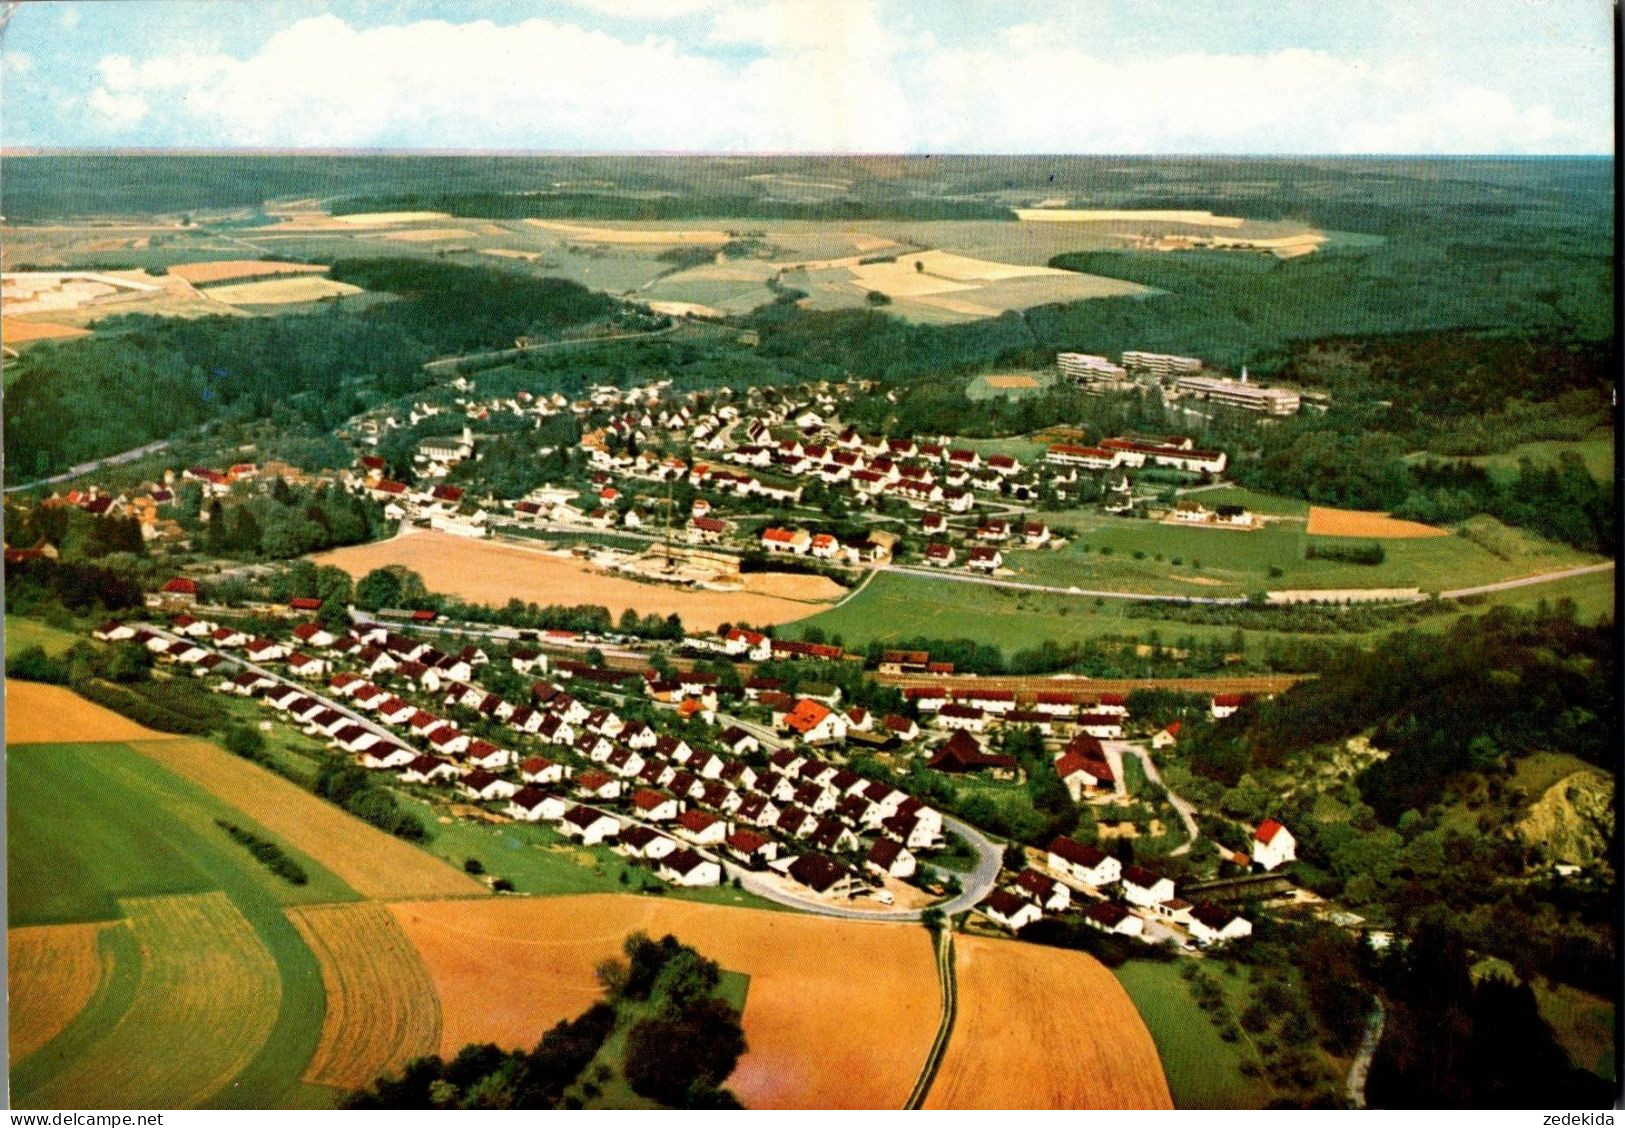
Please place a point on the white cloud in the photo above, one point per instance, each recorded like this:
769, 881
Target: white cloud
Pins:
815, 76
116, 111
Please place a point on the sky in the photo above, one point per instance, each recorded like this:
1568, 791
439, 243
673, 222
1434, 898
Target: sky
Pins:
895, 76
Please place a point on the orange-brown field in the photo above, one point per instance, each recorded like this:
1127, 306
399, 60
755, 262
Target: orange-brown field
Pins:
1044, 1028
381, 1006
369, 861
52, 970
1325, 522
839, 1014
1011, 381
483, 571
14, 332
202, 273
49, 714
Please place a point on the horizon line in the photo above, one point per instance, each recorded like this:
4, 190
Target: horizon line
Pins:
23, 151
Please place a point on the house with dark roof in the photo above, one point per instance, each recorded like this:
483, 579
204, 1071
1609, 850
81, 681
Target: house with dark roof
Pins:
1015, 913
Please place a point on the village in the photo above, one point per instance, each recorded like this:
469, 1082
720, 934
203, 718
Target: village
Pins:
746, 784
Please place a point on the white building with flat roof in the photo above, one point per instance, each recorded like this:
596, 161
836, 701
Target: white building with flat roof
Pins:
1160, 365
1240, 393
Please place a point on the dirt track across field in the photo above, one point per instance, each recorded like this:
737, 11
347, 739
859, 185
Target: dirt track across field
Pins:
1044, 1028
839, 1014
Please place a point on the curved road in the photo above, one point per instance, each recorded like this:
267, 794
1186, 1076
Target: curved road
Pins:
977, 884
1053, 589
1543, 578
1184, 807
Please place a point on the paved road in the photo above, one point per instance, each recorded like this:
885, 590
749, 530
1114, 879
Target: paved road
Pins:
1052, 589
307, 688
1185, 808
89, 467
945, 1028
976, 884
1544, 578
1361, 1068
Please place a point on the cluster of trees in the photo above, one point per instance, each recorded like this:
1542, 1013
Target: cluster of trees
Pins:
35, 585
681, 1041
272, 856
288, 521
342, 782
484, 1076
1455, 1042
1491, 687
76, 535
80, 663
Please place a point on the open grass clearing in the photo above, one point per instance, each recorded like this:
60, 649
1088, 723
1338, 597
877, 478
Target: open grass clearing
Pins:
1203, 1070
22, 633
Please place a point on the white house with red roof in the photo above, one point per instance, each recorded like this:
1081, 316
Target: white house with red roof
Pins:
793, 541
1167, 737
1273, 845
1214, 924
1015, 913
815, 723
1083, 862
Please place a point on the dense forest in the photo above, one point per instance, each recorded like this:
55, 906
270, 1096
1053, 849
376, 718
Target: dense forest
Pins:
152, 378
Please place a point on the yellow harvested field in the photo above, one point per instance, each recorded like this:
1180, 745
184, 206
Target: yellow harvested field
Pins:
685, 309
840, 1014
483, 571
203, 273
15, 332
653, 236
429, 234
278, 291
52, 970
50, 714
1324, 522
1010, 382
792, 585
1044, 1028
369, 861
382, 1010
207, 983
510, 253
1109, 215
386, 219
901, 280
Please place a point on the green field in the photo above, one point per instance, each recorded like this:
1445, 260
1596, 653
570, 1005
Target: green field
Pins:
22, 633
1235, 562
92, 824
1203, 1070
898, 606
1596, 451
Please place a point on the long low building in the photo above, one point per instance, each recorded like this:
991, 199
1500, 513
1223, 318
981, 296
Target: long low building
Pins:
1240, 393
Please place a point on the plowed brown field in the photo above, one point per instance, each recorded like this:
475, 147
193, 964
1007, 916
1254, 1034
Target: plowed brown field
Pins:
50, 714
381, 1006
202, 273
1044, 1028
369, 861
52, 971
482, 571
14, 332
1324, 522
840, 1014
